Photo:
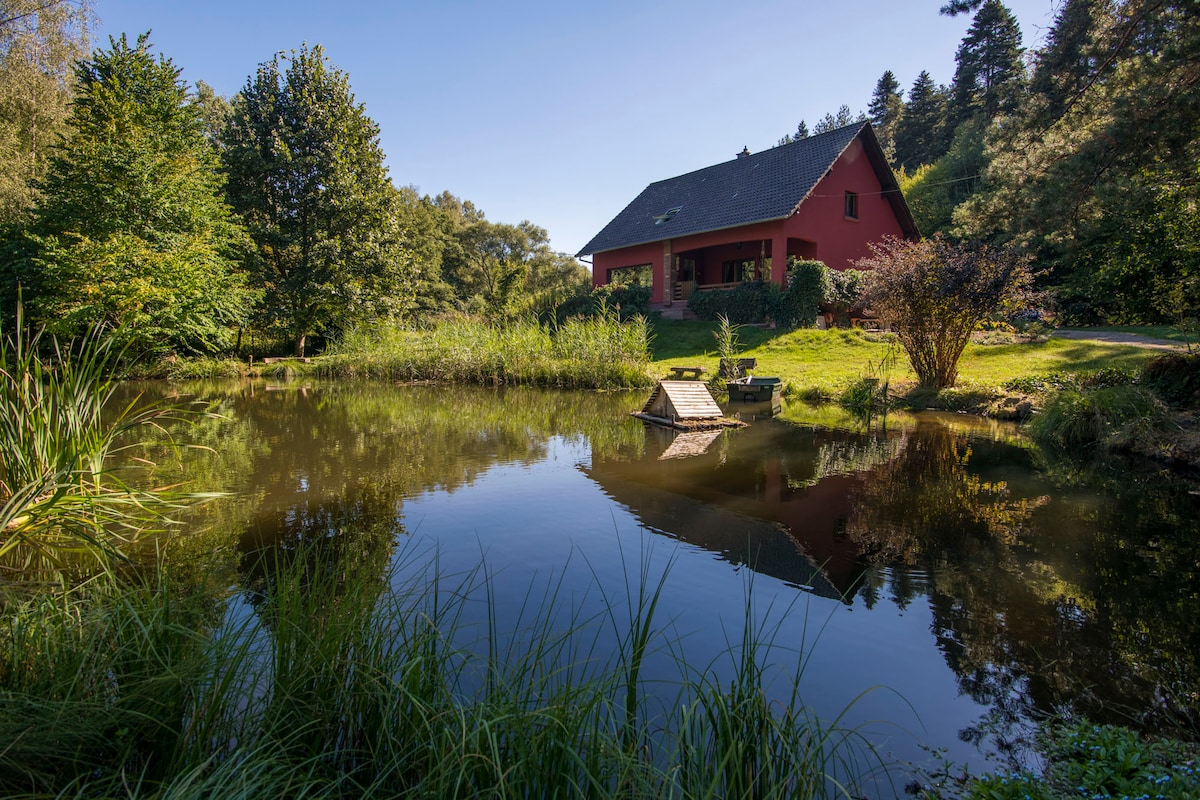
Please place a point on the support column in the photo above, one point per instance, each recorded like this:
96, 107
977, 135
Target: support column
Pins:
668, 274
778, 259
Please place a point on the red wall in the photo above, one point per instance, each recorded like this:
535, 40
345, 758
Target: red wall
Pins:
840, 241
821, 221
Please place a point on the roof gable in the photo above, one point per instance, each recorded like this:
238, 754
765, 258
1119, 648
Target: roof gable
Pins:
757, 188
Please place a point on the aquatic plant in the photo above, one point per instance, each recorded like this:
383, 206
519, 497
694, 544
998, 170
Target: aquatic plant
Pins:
62, 490
333, 683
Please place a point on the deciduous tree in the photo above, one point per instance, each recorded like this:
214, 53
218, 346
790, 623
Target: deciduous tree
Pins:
306, 173
934, 294
40, 41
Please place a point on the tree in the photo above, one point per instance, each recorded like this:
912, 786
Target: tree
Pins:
844, 117
935, 293
921, 131
306, 173
40, 41
990, 72
1073, 56
132, 232
886, 108
1101, 190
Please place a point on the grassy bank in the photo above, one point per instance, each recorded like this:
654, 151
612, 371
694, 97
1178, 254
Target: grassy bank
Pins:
335, 681
823, 364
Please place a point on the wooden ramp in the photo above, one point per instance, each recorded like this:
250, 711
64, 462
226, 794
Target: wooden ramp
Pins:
685, 405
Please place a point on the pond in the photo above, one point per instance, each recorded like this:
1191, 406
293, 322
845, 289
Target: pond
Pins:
939, 580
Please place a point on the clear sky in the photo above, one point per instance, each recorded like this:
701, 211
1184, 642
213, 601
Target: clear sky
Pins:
561, 112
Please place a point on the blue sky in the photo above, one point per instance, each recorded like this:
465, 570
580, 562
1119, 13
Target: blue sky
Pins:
561, 112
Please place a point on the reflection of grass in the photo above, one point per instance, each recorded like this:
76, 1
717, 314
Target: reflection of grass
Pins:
826, 363
331, 689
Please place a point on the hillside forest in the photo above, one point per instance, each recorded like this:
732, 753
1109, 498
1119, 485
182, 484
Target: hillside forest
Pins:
133, 199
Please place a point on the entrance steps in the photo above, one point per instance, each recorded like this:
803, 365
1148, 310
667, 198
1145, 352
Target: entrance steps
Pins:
676, 310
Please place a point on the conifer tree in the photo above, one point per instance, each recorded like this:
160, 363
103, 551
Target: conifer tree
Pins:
132, 231
921, 135
990, 74
886, 108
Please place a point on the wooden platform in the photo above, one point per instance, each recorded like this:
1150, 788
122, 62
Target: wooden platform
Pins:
685, 405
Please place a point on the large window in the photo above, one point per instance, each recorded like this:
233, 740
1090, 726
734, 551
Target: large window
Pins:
641, 275
738, 270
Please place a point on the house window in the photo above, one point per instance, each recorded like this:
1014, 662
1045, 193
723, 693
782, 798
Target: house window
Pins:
739, 270
851, 205
641, 275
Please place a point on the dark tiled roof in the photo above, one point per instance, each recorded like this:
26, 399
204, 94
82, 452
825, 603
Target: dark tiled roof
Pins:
760, 187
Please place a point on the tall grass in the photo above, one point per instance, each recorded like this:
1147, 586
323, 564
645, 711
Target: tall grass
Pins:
1097, 419
582, 353
340, 684
60, 439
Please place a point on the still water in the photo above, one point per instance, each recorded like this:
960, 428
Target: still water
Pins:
941, 582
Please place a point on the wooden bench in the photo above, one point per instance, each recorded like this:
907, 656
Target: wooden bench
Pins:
682, 372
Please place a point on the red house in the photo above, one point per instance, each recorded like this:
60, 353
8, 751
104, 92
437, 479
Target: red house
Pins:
826, 197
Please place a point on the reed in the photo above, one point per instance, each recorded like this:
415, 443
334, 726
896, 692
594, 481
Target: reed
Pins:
339, 682
64, 490
585, 353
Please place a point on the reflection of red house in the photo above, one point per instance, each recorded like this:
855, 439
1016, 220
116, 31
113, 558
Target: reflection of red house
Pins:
826, 197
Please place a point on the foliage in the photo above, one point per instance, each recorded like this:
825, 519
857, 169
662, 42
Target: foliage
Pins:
62, 494
1106, 417
131, 232
348, 680
808, 283
752, 302
935, 294
306, 173
922, 134
886, 109
990, 73
1097, 761
39, 44
1175, 378
1075, 177
624, 299
601, 351
844, 293
935, 191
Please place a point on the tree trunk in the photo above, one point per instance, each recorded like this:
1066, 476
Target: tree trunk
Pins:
300, 345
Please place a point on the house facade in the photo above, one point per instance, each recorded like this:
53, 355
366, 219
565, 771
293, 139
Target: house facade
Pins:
827, 197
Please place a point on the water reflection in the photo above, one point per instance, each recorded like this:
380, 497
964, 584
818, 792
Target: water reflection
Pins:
1034, 585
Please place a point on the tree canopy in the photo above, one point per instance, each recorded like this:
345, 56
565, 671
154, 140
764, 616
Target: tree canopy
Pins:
306, 174
131, 231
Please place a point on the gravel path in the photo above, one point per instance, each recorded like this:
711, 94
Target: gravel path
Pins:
1115, 337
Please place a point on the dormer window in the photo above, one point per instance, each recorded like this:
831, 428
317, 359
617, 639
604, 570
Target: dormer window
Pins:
667, 215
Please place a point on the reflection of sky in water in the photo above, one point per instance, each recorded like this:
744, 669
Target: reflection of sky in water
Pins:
566, 519
983, 583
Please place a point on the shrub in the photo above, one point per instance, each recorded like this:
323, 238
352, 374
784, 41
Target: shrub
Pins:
1176, 378
627, 300
1107, 416
844, 293
747, 303
934, 293
809, 284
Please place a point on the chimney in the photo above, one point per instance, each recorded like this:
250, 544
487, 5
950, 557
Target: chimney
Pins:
745, 152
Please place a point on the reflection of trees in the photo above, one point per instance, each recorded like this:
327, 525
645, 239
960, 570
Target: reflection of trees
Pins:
1089, 601
926, 501
332, 543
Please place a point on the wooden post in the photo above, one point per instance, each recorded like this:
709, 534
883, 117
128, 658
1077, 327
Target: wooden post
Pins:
668, 275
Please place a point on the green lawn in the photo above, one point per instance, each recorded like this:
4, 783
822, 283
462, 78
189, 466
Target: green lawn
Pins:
814, 362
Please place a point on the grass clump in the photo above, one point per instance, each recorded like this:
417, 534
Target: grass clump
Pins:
600, 351
1108, 417
61, 436
332, 678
